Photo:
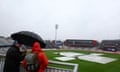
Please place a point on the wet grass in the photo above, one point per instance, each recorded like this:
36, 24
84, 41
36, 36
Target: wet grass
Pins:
86, 66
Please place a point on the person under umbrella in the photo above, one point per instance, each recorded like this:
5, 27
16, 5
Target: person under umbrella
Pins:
13, 58
42, 59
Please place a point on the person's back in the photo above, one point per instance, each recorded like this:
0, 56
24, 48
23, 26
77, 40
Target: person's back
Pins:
32, 63
42, 59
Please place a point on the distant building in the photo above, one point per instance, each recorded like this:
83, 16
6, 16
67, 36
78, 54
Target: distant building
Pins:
110, 45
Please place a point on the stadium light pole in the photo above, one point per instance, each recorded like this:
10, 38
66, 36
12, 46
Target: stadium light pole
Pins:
56, 28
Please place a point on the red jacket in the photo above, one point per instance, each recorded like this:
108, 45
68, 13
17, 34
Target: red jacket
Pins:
43, 61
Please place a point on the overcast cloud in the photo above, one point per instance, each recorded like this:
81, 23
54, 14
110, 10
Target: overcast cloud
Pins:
77, 19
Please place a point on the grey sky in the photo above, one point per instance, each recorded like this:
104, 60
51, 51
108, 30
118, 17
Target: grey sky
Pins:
77, 19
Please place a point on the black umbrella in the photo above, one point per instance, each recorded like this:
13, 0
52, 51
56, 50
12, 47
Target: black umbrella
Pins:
28, 38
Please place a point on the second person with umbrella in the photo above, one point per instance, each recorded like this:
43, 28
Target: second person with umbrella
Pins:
42, 59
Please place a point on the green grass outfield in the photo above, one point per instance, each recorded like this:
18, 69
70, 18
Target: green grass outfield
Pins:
86, 66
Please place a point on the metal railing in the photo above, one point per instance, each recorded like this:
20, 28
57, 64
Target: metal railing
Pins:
48, 69
75, 66
2, 59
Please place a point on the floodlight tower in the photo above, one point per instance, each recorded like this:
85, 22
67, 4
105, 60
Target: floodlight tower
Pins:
56, 28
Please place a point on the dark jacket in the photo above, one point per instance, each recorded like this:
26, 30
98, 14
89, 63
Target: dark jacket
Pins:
13, 59
43, 61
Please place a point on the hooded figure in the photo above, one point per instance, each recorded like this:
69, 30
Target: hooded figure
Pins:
42, 59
